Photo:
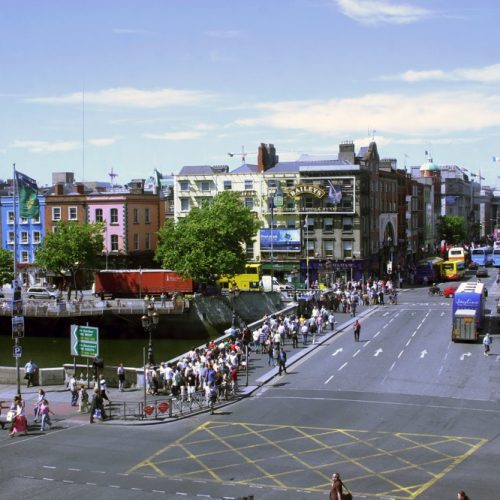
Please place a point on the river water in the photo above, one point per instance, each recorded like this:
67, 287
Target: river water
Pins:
49, 352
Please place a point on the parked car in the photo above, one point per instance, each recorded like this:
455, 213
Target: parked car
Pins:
482, 272
473, 266
450, 290
41, 292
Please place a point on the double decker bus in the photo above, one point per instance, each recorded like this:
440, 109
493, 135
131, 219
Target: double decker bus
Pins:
468, 311
482, 256
247, 281
453, 270
457, 253
428, 270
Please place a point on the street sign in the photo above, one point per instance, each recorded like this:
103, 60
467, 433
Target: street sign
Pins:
17, 351
84, 341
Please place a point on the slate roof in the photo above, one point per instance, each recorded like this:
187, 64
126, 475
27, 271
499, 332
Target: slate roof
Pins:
246, 168
196, 170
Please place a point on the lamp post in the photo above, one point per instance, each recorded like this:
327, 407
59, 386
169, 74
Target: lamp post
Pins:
149, 323
275, 200
306, 234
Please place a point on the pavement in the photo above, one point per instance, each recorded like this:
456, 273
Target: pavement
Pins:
259, 373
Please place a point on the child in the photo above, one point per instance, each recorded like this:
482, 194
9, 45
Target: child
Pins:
45, 411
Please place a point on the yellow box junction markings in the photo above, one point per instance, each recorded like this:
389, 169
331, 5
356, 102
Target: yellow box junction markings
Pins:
395, 464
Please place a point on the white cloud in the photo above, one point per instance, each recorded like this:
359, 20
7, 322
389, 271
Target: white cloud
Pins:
182, 135
486, 74
380, 12
46, 147
102, 141
129, 31
223, 34
130, 98
437, 113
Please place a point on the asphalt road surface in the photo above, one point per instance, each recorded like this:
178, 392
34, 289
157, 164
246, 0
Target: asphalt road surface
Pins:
405, 413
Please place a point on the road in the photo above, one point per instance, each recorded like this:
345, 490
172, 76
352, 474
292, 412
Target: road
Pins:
405, 413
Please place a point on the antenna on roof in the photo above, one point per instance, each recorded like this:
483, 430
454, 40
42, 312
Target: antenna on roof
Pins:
112, 176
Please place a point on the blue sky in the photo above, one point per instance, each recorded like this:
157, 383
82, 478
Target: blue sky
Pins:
169, 83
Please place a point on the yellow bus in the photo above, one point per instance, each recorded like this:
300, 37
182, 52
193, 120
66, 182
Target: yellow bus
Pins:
452, 270
246, 281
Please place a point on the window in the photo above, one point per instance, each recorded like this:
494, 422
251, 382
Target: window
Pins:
328, 224
228, 185
205, 185
135, 215
310, 245
147, 216
249, 203
347, 249
36, 221
72, 213
184, 185
272, 183
11, 238
114, 216
37, 237
249, 253
184, 204
290, 223
11, 217
347, 224
136, 241
98, 215
24, 220
56, 213
148, 241
290, 183
25, 256
24, 236
328, 248
248, 184
114, 243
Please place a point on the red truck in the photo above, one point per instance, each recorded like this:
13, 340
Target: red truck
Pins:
140, 282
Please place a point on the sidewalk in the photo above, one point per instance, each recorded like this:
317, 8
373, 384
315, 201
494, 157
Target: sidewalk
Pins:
259, 374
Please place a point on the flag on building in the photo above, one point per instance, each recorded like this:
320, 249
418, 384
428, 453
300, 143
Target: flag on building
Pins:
334, 194
496, 159
27, 192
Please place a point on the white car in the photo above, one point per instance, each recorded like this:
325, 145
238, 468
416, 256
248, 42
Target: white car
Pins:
41, 292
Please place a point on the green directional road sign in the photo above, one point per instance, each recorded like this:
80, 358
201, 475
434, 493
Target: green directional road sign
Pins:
84, 341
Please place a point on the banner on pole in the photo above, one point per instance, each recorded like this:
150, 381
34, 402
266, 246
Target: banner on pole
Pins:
27, 190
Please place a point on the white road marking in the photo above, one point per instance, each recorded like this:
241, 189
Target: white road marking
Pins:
392, 366
377, 334
401, 353
378, 351
408, 343
423, 353
356, 353
337, 351
328, 379
343, 366
462, 357
366, 343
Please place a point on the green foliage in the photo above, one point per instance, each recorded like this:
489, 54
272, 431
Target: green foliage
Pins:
71, 247
208, 241
6, 266
452, 229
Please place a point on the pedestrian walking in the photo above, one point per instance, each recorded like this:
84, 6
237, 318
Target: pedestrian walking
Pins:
40, 397
304, 330
83, 400
282, 361
212, 397
487, 341
120, 371
73, 389
45, 412
357, 330
19, 421
336, 491
104, 387
461, 495
331, 321
30, 370
97, 407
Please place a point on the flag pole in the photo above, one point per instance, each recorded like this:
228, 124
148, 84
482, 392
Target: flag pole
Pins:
14, 281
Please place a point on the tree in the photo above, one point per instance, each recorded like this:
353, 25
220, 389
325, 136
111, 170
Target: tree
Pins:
208, 242
6, 266
451, 228
71, 248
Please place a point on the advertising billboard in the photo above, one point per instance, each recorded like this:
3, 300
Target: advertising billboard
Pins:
283, 240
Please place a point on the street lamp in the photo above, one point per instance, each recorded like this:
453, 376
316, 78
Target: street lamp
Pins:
149, 323
275, 200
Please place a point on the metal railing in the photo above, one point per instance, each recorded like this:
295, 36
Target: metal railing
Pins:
167, 407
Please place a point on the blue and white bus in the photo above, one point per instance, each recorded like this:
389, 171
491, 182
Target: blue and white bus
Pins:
496, 256
468, 311
482, 256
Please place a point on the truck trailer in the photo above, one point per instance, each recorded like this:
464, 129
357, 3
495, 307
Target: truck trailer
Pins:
137, 283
